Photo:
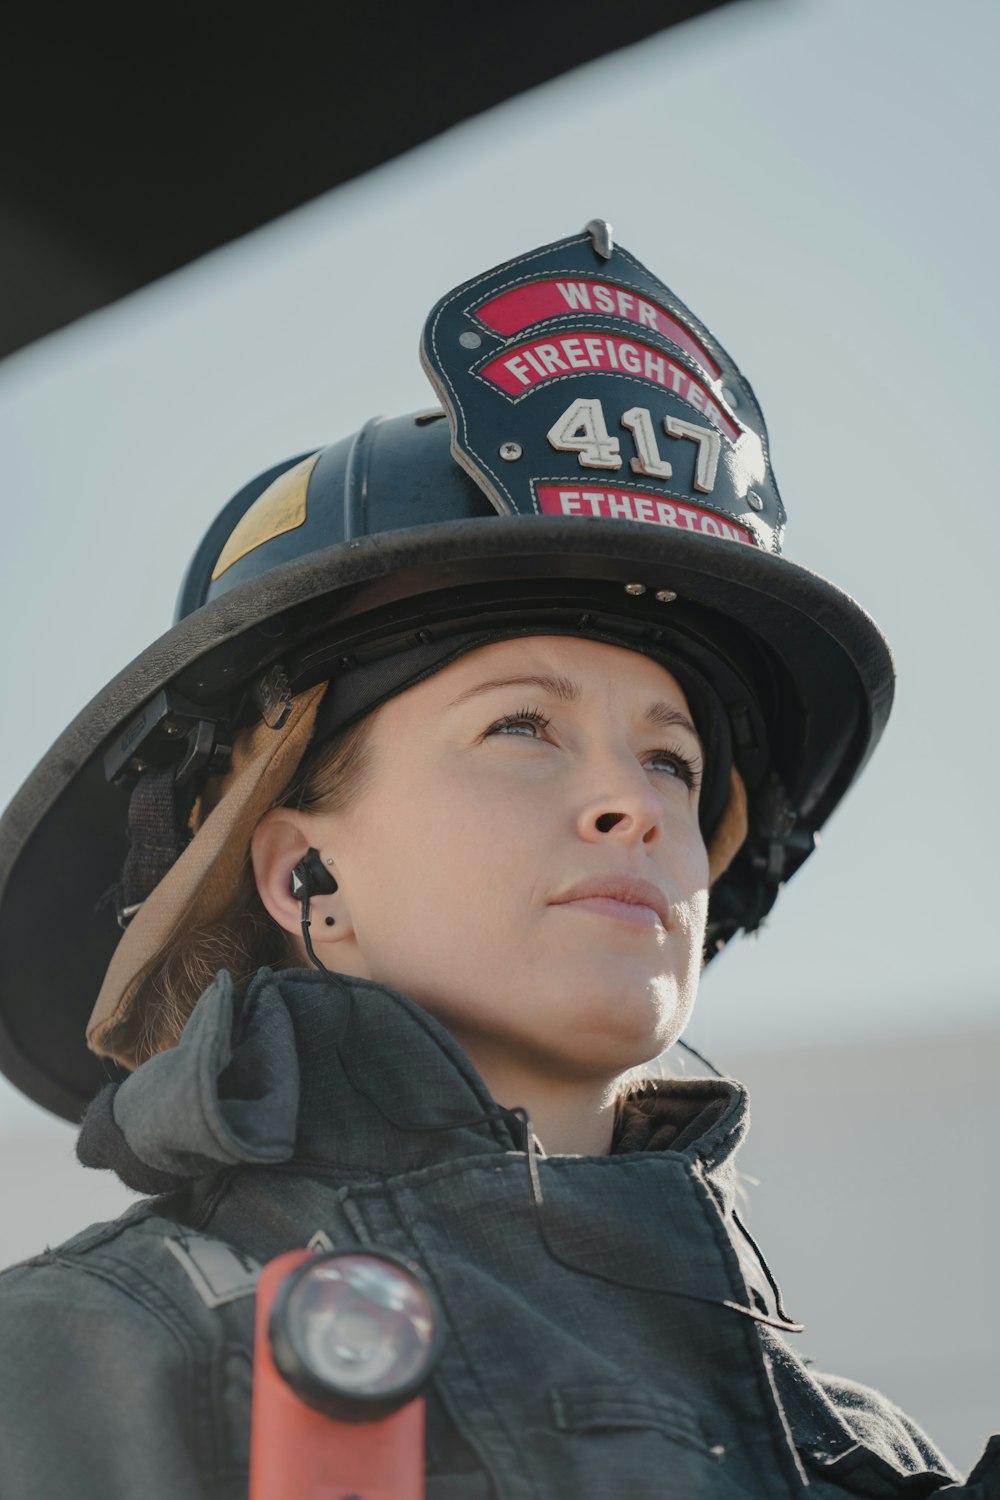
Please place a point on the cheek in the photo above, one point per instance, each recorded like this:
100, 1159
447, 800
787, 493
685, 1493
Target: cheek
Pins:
439, 854
685, 855
688, 868
695, 873
692, 918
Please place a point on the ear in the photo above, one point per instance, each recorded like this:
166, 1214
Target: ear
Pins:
281, 839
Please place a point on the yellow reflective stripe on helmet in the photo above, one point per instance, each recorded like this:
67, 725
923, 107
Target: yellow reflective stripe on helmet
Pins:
280, 508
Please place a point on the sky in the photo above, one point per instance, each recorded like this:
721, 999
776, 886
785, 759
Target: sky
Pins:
813, 178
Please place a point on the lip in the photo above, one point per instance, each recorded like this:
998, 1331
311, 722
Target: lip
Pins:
629, 890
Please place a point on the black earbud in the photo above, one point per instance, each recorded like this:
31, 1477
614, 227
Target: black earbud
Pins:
310, 878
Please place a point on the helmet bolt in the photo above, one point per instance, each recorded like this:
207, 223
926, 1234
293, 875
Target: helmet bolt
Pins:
511, 451
635, 588
469, 340
666, 596
756, 503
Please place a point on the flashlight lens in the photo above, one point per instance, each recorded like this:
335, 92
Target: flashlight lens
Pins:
362, 1326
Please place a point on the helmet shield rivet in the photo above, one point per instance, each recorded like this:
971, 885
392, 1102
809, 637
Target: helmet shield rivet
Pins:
635, 588
469, 339
510, 451
754, 500
666, 596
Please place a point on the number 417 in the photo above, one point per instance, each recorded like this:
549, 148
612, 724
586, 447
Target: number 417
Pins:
582, 430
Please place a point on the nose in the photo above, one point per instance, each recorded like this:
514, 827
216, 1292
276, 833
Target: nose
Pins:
629, 813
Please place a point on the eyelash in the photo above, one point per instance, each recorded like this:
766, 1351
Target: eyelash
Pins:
688, 769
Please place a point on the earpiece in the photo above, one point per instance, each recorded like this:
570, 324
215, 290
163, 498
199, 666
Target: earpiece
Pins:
310, 878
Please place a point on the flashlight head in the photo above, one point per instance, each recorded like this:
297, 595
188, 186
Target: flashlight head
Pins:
356, 1334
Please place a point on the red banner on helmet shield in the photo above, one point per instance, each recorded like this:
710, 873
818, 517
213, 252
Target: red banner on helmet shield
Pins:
523, 366
540, 301
633, 505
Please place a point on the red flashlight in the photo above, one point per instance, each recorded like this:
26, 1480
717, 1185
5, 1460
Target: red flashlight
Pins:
344, 1343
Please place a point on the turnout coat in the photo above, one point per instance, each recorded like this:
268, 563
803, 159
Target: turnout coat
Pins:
588, 1348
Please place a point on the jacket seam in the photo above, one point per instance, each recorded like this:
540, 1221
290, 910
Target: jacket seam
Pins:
87, 1240
777, 1423
456, 1335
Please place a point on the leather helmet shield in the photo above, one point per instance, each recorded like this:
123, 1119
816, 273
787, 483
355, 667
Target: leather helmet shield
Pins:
384, 536
577, 384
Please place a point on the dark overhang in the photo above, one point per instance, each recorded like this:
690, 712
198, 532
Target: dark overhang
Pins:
135, 147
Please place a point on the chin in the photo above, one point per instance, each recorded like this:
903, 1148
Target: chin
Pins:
626, 1024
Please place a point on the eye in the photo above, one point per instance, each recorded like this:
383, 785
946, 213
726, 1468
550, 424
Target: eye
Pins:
675, 763
528, 722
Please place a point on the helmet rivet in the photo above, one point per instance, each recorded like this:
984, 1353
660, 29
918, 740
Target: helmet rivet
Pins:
469, 340
666, 596
510, 451
729, 396
635, 588
756, 503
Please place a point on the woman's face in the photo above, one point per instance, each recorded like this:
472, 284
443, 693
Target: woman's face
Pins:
503, 785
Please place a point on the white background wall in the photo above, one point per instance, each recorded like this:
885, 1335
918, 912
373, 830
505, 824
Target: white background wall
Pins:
876, 1206
815, 178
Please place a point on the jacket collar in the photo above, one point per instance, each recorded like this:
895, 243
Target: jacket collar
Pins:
351, 1075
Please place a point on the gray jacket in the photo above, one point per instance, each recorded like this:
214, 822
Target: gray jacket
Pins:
587, 1356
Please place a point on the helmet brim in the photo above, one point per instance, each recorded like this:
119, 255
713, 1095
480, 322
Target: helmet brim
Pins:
63, 839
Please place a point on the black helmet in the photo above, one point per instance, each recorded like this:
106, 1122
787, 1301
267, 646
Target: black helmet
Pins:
600, 467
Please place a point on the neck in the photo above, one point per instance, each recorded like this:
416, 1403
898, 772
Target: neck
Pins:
569, 1116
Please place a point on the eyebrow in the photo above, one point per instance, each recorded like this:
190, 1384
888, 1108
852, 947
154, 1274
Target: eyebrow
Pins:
562, 688
565, 690
665, 716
